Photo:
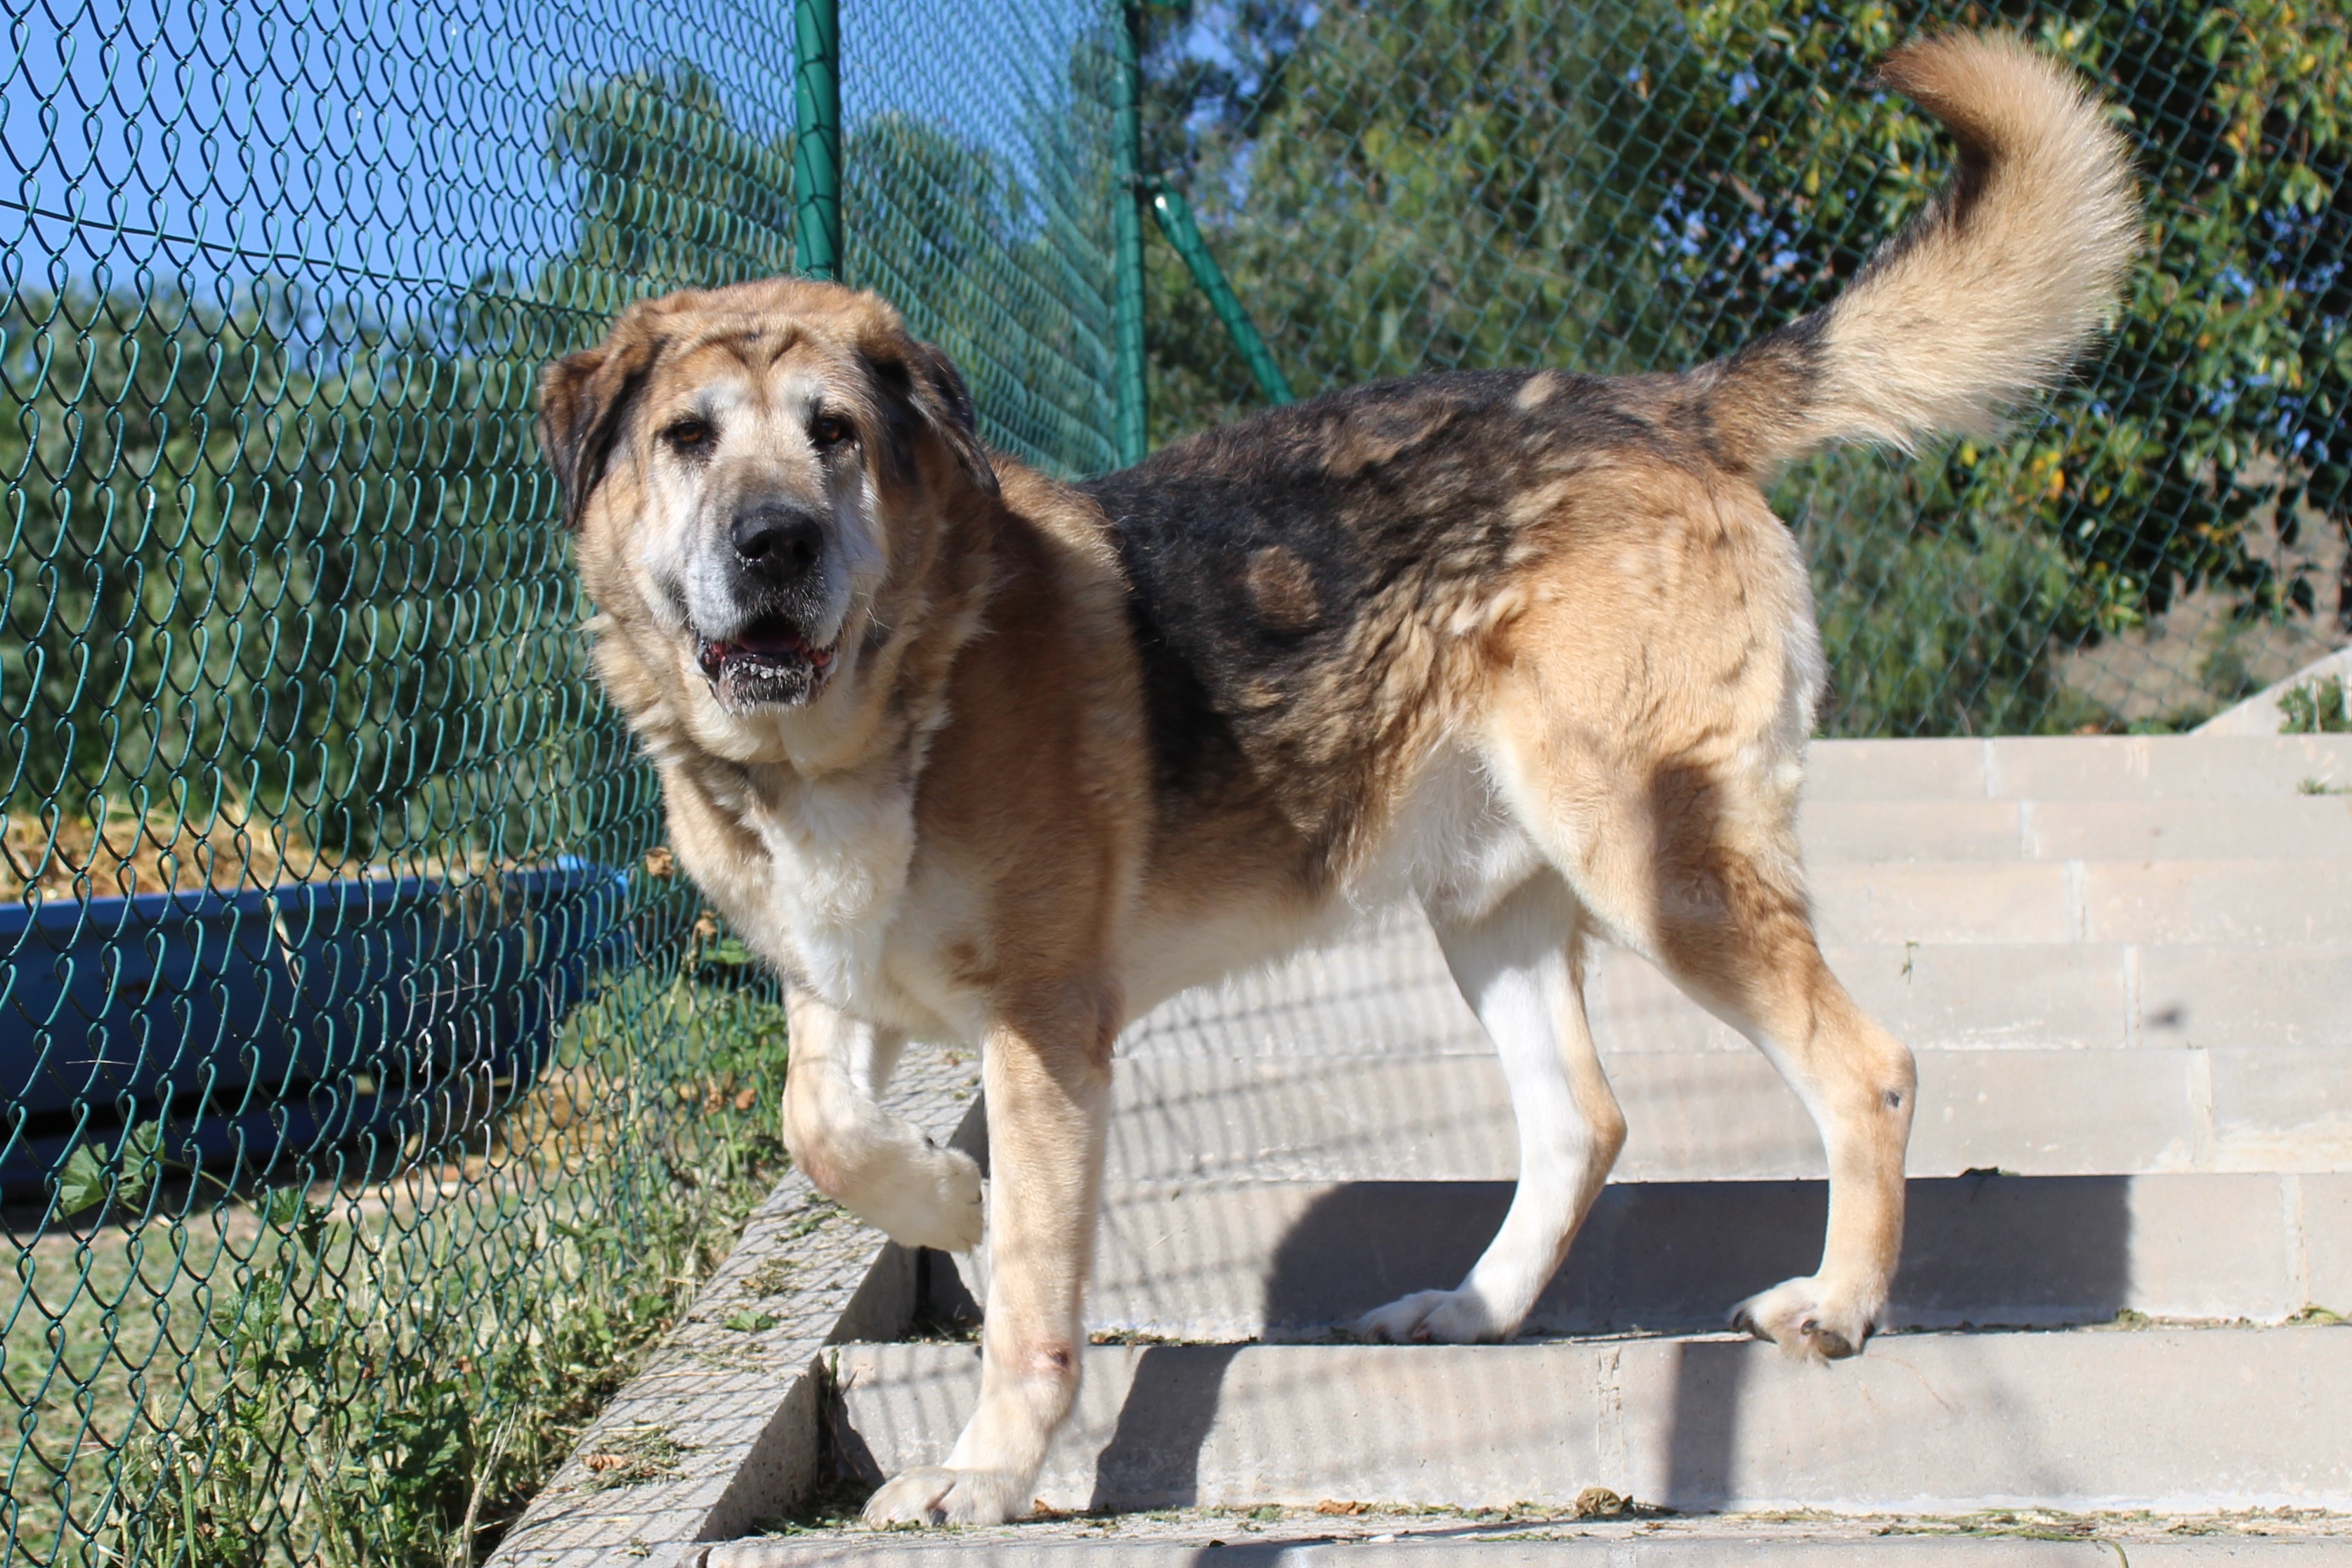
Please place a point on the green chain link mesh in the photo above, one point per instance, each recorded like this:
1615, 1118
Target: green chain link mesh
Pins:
374, 1085
1396, 186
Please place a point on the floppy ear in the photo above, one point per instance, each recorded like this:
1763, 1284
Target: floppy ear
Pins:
926, 382
584, 402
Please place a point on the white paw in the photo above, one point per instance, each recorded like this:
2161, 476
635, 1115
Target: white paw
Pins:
932, 1198
1435, 1317
1810, 1318
934, 1494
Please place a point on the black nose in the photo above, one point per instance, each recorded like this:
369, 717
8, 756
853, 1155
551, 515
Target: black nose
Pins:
777, 542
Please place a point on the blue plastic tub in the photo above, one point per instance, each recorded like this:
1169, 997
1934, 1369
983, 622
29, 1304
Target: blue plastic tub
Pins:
262, 1027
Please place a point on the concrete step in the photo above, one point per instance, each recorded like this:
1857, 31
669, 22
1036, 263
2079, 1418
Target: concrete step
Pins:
2079, 768
2168, 1419
2242, 903
1305, 1538
1728, 1115
1298, 1260
1957, 995
2290, 827
1386, 991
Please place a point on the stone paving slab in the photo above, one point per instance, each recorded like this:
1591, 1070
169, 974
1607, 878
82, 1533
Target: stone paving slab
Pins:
2288, 827
1728, 1115
1956, 902
2085, 768
2004, 830
2163, 1419
1385, 992
2231, 902
2284, 996
2281, 1110
2163, 767
1958, 995
1412, 1540
2220, 904
1974, 994
1299, 1260
741, 1407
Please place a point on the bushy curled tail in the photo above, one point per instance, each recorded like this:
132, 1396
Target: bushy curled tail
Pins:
1982, 300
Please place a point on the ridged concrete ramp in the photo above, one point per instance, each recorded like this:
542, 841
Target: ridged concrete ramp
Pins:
2126, 967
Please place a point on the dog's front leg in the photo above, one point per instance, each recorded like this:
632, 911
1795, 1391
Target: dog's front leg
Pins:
878, 1166
1048, 1090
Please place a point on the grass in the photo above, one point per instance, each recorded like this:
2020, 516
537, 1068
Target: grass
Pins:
386, 1374
2316, 708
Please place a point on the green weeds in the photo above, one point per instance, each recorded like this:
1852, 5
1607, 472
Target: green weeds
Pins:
385, 1375
2316, 708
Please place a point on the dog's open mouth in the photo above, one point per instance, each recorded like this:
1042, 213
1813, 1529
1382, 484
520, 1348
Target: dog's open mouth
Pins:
767, 660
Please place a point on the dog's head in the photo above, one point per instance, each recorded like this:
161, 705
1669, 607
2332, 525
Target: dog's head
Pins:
750, 469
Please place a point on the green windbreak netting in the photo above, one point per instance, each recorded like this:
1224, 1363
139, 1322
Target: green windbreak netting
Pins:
374, 1084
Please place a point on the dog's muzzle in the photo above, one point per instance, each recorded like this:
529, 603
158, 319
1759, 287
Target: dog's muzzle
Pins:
767, 660
770, 656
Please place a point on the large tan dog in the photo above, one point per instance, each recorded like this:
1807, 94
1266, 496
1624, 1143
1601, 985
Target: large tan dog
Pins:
972, 755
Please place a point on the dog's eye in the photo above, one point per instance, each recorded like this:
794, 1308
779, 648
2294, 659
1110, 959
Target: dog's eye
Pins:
687, 434
829, 430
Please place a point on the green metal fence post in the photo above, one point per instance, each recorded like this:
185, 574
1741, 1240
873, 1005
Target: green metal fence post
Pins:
1130, 409
816, 139
1175, 214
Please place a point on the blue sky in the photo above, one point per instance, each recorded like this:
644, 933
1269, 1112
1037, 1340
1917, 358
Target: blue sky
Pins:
379, 149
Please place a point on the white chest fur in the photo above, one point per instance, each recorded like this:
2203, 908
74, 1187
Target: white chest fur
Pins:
832, 882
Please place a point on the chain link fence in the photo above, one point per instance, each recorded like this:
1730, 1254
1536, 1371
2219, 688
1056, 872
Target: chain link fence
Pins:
1394, 185
374, 1086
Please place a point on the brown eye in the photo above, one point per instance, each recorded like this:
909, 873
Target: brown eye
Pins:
828, 430
687, 436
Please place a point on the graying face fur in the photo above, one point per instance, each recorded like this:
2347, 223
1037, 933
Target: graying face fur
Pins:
760, 533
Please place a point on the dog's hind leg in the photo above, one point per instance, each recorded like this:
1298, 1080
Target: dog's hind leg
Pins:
1521, 967
1694, 863
876, 1165
1753, 960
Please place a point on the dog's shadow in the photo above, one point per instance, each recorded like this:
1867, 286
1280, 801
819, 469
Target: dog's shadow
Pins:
1654, 1259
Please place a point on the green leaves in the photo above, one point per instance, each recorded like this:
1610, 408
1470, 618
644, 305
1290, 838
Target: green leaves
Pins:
82, 1183
86, 1180
290, 1211
1466, 183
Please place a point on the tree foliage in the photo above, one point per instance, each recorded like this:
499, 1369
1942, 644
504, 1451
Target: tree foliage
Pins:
258, 563
992, 253
1437, 183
